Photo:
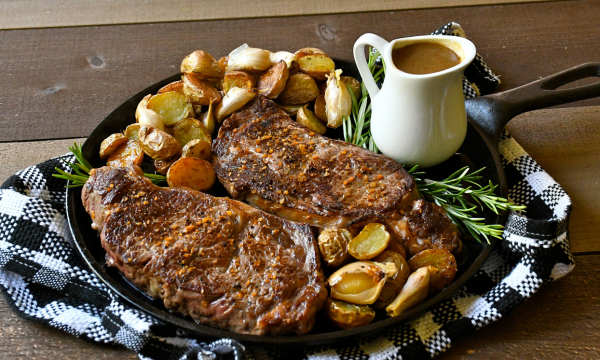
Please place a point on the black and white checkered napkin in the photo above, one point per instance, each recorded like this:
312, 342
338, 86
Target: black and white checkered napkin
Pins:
44, 279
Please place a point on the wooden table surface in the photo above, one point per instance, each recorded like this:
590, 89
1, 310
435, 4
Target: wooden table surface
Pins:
62, 74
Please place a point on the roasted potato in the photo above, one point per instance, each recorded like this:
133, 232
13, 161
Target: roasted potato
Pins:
337, 100
110, 144
354, 85
208, 119
360, 282
240, 79
308, 119
223, 63
201, 64
396, 245
299, 89
333, 245
171, 107
197, 148
191, 172
245, 58
233, 101
199, 91
273, 81
132, 131
189, 129
372, 241
348, 316
127, 154
413, 293
392, 286
443, 267
291, 110
320, 109
157, 144
176, 86
314, 62
162, 166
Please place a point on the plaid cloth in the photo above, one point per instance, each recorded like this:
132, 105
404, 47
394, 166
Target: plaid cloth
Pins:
44, 279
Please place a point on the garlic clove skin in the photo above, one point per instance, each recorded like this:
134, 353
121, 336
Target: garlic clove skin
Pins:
338, 102
246, 58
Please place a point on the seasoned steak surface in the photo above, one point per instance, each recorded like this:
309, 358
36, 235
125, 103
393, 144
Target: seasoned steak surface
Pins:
220, 261
302, 175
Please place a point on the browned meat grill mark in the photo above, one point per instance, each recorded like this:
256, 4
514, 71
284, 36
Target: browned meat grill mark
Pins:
220, 261
280, 166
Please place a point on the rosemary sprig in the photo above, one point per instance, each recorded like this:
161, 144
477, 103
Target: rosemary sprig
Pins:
81, 170
453, 193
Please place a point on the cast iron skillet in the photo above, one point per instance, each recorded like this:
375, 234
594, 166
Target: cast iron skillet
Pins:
487, 116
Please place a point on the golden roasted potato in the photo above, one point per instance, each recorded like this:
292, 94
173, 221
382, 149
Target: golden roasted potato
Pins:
132, 131
162, 166
392, 286
191, 172
360, 282
171, 107
308, 119
291, 110
199, 91
273, 81
201, 64
333, 245
110, 144
348, 316
337, 100
233, 101
320, 109
223, 63
396, 245
208, 119
157, 144
246, 58
354, 85
299, 89
189, 129
443, 267
314, 62
197, 148
127, 154
240, 79
372, 241
176, 86
413, 293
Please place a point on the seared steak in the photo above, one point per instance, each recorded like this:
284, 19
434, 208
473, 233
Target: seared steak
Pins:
274, 163
220, 261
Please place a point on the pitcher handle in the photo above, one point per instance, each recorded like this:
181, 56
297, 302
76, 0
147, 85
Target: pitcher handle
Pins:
359, 57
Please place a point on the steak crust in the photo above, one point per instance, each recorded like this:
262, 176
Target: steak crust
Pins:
220, 261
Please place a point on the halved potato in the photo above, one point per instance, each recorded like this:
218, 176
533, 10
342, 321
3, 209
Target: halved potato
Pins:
291, 110
308, 119
157, 144
176, 86
392, 286
199, 91
189, 129
320, 108
371, 241
201, 64
233, 101
314, 62
333, 245
171, 107
127, 154
299, 89
162, 166
132, 131
354, 85
273, 81
240, 79
198, 149
443, 267
348, 316
191, 172
110, 144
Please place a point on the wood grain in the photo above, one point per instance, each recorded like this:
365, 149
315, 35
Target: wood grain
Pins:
562, 321
60, 83
59, 13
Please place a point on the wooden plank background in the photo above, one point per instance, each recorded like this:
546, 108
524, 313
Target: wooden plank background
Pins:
58, 83
59, 13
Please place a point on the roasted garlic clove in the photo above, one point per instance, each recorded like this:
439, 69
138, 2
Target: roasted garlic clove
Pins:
413, 293
348, 316
201, 64
360, 282
394, 285
442, 267
286, 56
338, 102
333, 245
233, 101
246, 58
208, 119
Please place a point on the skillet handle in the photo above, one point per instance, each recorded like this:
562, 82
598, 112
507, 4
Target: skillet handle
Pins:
492, 112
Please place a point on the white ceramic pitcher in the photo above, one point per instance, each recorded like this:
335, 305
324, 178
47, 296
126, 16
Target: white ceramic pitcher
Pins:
416, 119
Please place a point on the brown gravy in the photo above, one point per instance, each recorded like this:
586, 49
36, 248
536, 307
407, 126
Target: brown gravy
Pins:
424, 58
